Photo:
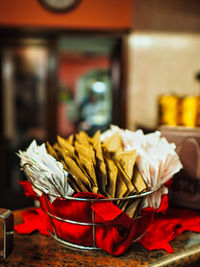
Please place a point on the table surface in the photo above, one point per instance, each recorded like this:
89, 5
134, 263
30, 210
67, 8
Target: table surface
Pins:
39, 250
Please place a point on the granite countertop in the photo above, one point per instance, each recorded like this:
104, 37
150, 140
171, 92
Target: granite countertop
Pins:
39, 250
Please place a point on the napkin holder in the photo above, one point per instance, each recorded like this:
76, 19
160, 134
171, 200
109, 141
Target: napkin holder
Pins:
186, 183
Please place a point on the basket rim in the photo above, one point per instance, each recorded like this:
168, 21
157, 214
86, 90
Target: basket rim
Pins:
140, 195
60, 196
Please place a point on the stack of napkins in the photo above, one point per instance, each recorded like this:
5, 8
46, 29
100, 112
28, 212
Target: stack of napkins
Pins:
156, 159
46, 174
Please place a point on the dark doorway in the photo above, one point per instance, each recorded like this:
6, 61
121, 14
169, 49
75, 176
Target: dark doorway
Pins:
54, 83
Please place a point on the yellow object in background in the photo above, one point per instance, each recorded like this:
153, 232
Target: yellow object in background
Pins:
179, 111
189, 108
168, 110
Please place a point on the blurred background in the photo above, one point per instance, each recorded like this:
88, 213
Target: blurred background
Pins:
81, 65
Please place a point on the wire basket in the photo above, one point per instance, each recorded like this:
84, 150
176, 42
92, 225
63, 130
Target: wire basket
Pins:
89, 225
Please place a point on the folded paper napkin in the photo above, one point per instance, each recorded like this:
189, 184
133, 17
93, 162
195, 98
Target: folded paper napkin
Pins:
48, 174
119, 230
156, 159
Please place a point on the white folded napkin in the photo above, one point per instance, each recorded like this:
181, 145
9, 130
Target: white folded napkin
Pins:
44, 171
156, 159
